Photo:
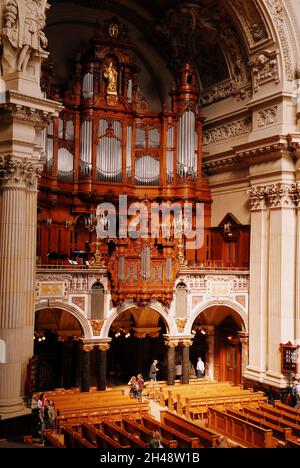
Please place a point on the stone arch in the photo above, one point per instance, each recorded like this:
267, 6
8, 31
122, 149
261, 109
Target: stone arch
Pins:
199, 308
155, 305
73, 310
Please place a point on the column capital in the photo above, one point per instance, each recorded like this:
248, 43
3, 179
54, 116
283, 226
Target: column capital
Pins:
104, 347
209, 330
257, 196
87, 348
186, 343
19, 173
171, 343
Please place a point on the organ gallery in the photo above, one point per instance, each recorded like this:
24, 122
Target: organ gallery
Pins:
149, 201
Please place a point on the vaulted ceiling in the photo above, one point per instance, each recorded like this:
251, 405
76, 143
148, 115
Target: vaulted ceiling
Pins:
165, 34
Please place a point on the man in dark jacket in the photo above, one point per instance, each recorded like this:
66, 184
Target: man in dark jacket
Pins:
153, 371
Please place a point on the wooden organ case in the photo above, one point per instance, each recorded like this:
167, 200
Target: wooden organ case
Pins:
107, 143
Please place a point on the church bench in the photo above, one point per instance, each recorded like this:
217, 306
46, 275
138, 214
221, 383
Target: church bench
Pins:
278, 419
52, 440
174, 389
198, 407
291, 443
286, 408
281, 433
207, 438
280, 413
170, 434
222, 389
74, 439
98, 438
246, 433
115, 412
124, 438
143, 433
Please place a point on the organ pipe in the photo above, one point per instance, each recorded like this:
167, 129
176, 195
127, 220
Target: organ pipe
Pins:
88, 85
186, 144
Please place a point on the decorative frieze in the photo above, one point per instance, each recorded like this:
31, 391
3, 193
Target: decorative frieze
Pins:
251, 20
267, 116
223, 91
281, 20
265, 69
228, 131
274, 196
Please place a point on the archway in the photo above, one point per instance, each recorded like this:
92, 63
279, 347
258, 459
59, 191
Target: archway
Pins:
137, 339
218, 330
57, 336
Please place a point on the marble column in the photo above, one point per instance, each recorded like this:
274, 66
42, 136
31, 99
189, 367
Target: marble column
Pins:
102, 366
85, 369
258, 297
281, 277
244, 339
23, 115
210, 355
297, 282
186, 362
171, 361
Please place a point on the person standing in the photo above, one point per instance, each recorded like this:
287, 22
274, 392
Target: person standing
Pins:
153, 371
140, 383
200, 368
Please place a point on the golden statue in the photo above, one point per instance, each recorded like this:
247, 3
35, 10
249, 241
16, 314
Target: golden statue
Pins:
111, 74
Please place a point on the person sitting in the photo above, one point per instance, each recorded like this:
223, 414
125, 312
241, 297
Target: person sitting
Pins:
155, 441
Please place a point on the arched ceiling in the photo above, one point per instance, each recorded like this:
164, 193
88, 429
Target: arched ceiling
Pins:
215, 35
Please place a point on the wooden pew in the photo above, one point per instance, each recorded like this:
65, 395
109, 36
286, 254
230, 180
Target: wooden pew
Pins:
98, 438
246, 433
290, 443
207, 438
286, 408
274, 419
51, 440
201, 387
281, 433
280, 413
143, 433
124, 438
74, 439
199, 406
169, 433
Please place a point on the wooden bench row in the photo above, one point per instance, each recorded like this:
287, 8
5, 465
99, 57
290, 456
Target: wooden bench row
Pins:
248, 434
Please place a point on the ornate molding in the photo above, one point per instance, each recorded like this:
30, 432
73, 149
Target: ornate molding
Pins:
281, 20
39, 118
251, 21
171, 343
225, 132
274, 196
267, 116
181, 323
265, 69
96, 326
223, 91
19, 173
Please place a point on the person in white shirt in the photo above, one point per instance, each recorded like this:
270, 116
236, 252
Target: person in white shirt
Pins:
200, 368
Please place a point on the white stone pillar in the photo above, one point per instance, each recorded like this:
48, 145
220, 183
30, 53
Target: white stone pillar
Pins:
244, 339
281, 277
258, 285
296, 190
210, 355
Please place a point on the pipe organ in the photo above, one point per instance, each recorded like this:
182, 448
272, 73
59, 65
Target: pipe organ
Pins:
108, 142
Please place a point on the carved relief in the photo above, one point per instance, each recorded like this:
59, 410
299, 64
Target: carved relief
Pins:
23, 38
196, 300
280, 18
267, 116
230, 130
251, 20
222, 91
96, 326
257, 197
275, 196
265, 69
19, 173
79, 301
181, 324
